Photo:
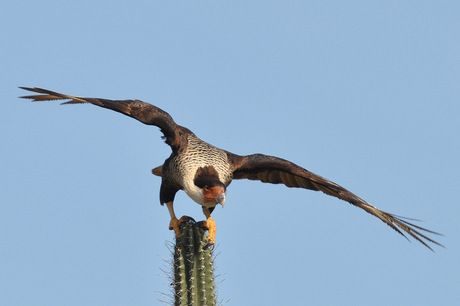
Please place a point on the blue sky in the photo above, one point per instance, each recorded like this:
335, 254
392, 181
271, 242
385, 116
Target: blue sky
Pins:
365, 94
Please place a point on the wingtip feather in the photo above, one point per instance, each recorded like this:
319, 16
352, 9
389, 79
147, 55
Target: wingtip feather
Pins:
413, 230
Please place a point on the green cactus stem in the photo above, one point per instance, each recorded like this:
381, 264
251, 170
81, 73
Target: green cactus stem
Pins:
193, 267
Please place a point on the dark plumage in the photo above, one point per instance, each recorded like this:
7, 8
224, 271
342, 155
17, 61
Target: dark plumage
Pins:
204, 171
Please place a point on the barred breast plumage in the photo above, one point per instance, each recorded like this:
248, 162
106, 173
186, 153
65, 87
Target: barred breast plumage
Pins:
198, 154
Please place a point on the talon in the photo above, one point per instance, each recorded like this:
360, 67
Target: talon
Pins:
210, 225
174, 224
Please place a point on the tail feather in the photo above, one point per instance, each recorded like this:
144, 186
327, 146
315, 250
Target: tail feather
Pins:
157, 171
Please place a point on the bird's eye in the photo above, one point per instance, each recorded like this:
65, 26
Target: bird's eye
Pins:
206, 187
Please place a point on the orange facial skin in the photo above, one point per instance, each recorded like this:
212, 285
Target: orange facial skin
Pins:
211, 194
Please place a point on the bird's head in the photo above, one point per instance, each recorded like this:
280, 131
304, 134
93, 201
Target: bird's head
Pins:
214, 194
211, 188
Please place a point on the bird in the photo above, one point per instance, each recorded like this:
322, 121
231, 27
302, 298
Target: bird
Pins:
204, 171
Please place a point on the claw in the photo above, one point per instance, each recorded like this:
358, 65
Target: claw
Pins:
210, 225
174, 224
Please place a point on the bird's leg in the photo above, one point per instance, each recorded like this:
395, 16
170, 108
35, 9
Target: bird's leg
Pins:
210, 225
174, 223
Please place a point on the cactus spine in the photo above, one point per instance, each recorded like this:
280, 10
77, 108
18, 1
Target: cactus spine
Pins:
193, 267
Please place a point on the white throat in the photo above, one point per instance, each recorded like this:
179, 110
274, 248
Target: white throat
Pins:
195, 193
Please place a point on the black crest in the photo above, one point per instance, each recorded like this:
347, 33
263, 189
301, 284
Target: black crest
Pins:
207, 176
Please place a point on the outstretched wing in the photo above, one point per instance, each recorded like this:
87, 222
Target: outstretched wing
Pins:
269, 169
142, 111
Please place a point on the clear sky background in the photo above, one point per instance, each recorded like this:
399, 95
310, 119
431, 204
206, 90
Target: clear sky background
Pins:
365, 94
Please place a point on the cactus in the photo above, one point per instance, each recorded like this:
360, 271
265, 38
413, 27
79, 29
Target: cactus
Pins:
193, 279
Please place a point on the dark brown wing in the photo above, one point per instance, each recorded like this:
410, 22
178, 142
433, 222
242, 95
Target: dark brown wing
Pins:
269, 169
142, 111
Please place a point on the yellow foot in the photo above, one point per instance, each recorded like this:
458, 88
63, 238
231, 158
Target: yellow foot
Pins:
210, 225
174, 224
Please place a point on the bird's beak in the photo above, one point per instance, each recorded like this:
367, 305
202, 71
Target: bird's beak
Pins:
221, 199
